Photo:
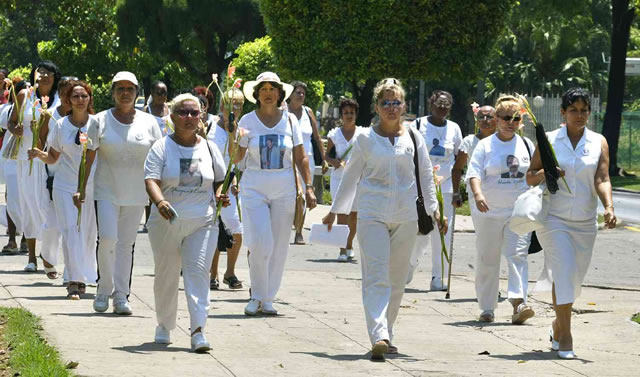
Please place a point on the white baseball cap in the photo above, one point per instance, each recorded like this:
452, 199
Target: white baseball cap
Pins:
265, 77
125, 76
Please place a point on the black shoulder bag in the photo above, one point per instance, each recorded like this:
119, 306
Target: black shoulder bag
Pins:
534, 244
317, 156
425, 222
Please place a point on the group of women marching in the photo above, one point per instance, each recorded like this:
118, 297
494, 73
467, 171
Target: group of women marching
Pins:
82, 180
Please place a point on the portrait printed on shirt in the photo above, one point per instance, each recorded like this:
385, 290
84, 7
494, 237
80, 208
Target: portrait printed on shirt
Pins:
437, 149
272, 150
190, 175
512, 168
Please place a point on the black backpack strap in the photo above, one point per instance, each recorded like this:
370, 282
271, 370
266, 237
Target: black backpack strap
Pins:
415, 162
528, 148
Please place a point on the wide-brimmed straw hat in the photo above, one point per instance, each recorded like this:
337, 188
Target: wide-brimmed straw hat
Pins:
265, 77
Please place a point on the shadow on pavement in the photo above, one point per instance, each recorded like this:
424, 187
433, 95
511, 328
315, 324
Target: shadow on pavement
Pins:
148, 347
325, 355
36, 284
332, 260
95, 314
456, 300
536, 355
242, 316
475, 323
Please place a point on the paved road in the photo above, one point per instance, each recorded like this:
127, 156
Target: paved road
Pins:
627, 205
321, 329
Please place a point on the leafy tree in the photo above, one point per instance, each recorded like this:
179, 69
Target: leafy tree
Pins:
362, 41
198, 34
257, 56
623, 13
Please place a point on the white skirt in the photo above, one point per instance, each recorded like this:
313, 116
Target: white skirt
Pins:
567, 246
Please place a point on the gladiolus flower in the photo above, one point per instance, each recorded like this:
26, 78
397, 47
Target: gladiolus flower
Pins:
237, 83
436, 168
231, 71
214, 77
45, 99
242, 132
475, 107
83, 138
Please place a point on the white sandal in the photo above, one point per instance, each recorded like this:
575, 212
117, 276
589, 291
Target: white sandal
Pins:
51, 272
31, 267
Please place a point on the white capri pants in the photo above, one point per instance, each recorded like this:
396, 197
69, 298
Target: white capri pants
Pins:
422, 244
385, 250
187, 245
268, 207
117, 231
13, 193
568, 246
33, 192
78, 243
493, 238
230, 216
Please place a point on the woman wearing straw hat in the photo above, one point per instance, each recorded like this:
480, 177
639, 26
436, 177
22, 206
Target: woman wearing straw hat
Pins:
122, 137
272, 144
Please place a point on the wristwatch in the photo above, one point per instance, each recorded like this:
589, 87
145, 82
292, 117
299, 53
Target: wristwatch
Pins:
308, 185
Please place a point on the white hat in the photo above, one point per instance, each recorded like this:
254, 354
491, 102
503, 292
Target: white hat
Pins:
265, 77
125, 76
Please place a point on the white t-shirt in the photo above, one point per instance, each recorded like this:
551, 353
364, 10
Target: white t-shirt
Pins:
62, 138
219, 136
187, 175
123, 150
27, 136
468, 145
307, 131
501, 167
4, 115
269, 149
443, 144
341, 144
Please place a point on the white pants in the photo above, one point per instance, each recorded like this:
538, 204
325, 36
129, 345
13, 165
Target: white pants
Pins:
230, 216
13, 193
33, 192
385, 250
268, 215
117, 231
422, 244
187, 244
568, 247
78, 243
493, 238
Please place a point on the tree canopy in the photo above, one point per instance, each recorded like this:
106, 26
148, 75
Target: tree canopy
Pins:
362, 41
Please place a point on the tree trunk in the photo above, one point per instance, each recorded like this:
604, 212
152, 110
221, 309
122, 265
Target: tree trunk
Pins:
364, 96
622, 18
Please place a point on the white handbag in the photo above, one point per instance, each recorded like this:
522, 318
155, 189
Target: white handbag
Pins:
530, 210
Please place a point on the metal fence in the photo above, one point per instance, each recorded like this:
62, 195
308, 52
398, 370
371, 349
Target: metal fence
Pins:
629, 141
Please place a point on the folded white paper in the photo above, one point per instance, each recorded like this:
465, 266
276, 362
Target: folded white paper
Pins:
321, 236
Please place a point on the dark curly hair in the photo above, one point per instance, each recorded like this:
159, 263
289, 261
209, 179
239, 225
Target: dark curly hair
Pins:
574, 95
349, 102
256, 90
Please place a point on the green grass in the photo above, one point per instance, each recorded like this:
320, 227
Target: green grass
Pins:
30, 355
464, 210
636, 318
628, 183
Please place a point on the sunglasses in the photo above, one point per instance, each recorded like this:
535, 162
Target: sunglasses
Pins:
395, 104
160, 93
509, 118
485, 117
183, 113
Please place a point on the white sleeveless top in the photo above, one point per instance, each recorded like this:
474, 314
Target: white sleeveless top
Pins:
27, 136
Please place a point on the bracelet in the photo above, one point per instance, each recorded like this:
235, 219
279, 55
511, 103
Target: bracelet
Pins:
160, 201
609, 206
309, 186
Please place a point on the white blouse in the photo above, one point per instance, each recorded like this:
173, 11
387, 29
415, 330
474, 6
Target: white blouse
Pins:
580, 165
384, 175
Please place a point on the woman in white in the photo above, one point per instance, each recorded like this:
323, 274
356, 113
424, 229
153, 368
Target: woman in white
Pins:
122, 137
182, 171
218, 134
496, 176
34, 196
443, 138
340, 139
382, 168
268, 188
309, 130
570, 229
65, 142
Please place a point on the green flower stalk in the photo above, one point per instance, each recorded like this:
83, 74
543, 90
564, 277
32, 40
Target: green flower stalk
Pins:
36, 126
82, 173
440, 199
15, 142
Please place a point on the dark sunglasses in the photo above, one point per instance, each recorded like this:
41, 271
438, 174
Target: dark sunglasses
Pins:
183, 113
509, 118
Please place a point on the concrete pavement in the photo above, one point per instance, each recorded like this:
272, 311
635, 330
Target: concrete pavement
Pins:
321, 328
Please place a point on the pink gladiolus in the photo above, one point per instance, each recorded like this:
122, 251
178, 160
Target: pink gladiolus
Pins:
45, 99
475, 107
237, 83
436, 168
242, 132
231, 71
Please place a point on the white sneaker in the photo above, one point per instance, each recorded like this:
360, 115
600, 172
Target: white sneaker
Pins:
163, 336
122, 307
342, 258
350, 253
101, 303
252, 307
199, 343
437, 284
487, 316
268, 309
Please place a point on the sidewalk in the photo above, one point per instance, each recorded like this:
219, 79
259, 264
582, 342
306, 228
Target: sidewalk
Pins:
321, 330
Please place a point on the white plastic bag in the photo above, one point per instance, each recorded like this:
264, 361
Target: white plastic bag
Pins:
530, 210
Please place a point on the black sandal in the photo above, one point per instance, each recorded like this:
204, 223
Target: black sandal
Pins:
73, 293
233, 282
214, 284
82, 288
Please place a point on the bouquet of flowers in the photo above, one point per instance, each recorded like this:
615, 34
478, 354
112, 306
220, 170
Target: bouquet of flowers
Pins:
82, 172
15, 142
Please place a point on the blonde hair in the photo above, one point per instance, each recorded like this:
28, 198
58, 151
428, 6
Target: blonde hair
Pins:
508, 103
388, 84
177, 102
